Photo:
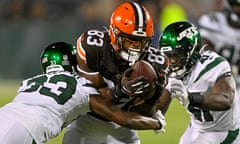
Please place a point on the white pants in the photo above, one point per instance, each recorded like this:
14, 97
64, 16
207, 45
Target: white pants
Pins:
12, 132
191, 136
90, 130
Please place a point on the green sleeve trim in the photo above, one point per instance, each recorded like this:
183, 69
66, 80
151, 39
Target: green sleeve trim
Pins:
232, 135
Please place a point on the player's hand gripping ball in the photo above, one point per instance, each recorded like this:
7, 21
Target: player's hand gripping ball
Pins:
140, 80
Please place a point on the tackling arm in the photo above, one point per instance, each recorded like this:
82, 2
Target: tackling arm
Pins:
105, 108
217, 98
220, 96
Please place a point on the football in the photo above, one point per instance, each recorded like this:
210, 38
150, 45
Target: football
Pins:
137, 104
143, 68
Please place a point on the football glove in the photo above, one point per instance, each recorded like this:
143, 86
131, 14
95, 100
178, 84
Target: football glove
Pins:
134, 87
179, 91
130, 88
160, 117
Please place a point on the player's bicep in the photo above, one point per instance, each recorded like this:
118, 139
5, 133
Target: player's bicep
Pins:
225, 86
220, 95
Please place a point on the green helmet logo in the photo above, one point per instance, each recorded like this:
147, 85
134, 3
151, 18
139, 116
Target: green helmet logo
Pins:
189, 33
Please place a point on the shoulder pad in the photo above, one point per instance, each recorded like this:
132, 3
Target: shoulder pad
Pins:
210, 66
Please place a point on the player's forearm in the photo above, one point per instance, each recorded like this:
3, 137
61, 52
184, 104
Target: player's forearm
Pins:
106, 109
210, 101
135, 121
217, 102
220, 96
144, 123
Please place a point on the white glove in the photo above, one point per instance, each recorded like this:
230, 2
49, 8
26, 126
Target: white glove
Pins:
160, 117
179, 91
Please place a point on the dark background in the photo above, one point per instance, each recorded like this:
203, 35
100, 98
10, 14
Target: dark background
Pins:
28, 26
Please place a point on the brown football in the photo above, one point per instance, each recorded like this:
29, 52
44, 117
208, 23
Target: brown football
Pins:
143, 68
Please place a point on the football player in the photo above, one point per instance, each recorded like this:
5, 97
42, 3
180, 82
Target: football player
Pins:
203, 82
220, 30
102, 57
47, 103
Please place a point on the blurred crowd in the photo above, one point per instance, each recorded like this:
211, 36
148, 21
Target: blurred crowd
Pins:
27, 26
91, 10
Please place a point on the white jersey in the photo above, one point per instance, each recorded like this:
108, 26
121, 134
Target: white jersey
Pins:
215, 28
46, 103
208, 69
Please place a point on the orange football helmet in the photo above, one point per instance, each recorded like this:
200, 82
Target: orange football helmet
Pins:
131, 30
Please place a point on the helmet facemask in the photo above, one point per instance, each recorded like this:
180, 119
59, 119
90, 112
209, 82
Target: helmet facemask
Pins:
177, 61
131, 47
182, 59
181, 43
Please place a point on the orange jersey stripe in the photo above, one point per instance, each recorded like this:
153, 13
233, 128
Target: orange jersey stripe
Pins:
80, 50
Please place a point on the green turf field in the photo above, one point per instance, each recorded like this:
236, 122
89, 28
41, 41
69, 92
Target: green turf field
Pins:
176, 117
